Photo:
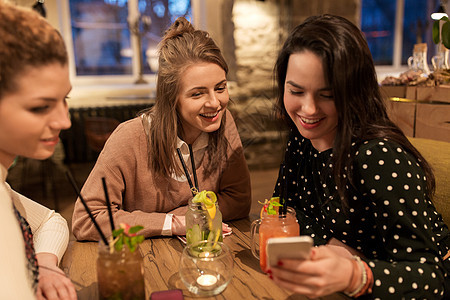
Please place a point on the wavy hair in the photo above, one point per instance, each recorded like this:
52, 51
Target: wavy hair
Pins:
349, 69
26, 40
181, 47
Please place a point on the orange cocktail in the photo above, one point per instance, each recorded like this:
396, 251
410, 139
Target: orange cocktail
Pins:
272, 226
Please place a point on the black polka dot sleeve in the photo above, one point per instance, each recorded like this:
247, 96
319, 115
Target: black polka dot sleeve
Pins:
392, 184
294, 182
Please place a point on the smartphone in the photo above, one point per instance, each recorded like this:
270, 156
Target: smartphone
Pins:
288, 247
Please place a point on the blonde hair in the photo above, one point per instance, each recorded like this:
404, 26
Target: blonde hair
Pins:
181, 47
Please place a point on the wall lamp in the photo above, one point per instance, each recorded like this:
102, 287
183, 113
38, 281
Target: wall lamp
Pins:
439, 13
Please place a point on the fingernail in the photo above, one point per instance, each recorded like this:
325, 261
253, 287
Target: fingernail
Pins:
269, 271
280, 263
270, 276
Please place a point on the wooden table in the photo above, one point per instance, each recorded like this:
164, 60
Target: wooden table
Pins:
161, 261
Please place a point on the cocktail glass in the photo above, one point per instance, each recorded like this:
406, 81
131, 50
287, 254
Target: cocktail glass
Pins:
120, 274
200, 226
271, 226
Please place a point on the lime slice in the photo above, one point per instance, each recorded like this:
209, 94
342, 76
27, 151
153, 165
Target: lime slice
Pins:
193, 234
208, 199
210, 237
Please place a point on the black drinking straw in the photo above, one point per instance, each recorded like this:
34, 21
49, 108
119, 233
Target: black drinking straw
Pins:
186, 171
283, 191
77, 191
108, 204
194, 172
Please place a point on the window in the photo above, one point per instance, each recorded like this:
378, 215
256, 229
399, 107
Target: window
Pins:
105, 33
393, 27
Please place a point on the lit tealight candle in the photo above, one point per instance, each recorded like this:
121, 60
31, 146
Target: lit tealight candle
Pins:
206, 280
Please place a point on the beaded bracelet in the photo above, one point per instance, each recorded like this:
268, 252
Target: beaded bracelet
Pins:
367, 289
364, 277
353, 278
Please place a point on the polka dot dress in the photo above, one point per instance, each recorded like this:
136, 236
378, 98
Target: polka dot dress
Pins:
390, 219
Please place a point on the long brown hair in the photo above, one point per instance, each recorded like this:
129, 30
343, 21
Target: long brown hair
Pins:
349, 69
181, 47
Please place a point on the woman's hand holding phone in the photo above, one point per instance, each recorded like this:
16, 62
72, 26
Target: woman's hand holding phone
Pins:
323, 273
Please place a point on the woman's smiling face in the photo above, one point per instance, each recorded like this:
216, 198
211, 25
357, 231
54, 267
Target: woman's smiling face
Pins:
202, 99
309, 100
33, 115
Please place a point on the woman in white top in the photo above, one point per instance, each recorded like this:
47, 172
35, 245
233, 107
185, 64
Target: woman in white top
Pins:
34, 83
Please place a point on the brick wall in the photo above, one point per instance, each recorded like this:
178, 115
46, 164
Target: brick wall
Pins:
260, 28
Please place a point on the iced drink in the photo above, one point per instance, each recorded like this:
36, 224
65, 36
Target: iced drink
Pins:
203, 219
120, 274
272, 226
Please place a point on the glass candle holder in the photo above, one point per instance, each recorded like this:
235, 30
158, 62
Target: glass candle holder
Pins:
120, 274
206, 268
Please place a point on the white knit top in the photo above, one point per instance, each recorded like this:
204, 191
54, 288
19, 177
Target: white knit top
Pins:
50, 235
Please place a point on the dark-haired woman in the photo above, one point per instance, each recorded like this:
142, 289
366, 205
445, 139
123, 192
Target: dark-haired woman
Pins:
359, 187
145, 179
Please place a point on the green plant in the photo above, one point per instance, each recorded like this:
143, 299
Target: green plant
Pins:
126, 235
269, 206
442, 34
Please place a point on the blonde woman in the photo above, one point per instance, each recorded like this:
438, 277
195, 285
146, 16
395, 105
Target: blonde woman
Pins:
139, 161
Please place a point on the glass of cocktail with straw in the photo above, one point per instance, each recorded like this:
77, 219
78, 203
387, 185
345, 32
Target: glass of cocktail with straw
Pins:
120, 272
271, 224
203, 218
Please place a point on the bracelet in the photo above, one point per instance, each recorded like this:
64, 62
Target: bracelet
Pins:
367, 289
364, 277
353, 278
446, 256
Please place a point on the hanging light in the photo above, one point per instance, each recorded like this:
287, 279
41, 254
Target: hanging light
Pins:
440, 13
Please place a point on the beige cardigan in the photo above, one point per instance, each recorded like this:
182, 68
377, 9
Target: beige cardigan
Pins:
139, 199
